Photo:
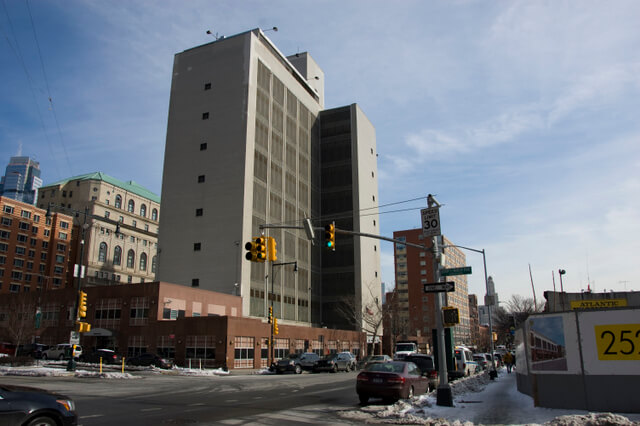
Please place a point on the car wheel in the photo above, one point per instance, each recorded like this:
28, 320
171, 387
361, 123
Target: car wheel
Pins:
61, 357
334, 369
42, 421
411, 392
44, 356
298, 369
363, 398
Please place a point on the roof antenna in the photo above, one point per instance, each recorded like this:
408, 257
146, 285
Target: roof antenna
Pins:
215, 36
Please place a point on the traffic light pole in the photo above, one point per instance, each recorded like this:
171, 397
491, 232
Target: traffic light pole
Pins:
272, 297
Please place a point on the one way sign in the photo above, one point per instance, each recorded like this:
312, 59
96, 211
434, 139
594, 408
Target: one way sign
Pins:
440, 287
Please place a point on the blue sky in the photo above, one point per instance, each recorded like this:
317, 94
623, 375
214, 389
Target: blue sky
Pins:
520, 116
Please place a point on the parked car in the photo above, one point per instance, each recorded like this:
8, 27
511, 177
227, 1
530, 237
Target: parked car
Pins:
483, 362
22, 405
335, 362
149, 359
379, 358
427, 365
62, 351
34, 350
464, 365
297, 362
390, 381
108, 356
8, 349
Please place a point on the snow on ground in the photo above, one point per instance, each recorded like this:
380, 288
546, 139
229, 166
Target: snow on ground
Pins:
478, 400
58, 368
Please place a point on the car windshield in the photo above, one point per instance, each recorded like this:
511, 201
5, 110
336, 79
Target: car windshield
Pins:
293, 356
377, 358
386, 367
403, 348
331, 357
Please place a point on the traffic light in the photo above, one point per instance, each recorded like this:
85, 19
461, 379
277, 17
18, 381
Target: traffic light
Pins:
275, 326
84, 327
330, 236
450, 315
272, 249
270, 314
257, 250
82, 304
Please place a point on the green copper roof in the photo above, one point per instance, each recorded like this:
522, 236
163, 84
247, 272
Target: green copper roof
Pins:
130, 186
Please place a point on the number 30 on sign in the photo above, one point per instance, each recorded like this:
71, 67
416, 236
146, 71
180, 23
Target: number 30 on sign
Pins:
618, 342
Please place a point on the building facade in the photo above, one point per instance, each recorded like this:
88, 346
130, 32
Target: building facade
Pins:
21, 180
193, 327
100, 206
34, 249
413, 269
244, 157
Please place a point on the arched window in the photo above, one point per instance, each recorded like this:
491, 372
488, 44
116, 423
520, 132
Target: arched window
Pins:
154, 264
118, 202
117, 255
143, 210
131, 258
102, 252
143, 262
154, 214
131, 206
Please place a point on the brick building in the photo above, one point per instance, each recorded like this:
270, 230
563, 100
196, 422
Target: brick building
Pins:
191, 326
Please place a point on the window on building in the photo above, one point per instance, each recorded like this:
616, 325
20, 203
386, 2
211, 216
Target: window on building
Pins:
195, 282
26, 214
107, 214
200, 178
207, 86
131, 206
198, 212
134, 223
118, 204
62, 235
197, 246
205, 115
143, 210
203, 146
102, 252
64, 225
117, 255
154, 264
131, 258
143, 262
8, 209
154, 214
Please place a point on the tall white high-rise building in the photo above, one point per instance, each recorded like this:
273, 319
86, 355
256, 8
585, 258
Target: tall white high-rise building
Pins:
21, 180
250, 149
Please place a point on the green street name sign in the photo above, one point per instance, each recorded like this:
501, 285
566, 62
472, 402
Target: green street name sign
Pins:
466, 270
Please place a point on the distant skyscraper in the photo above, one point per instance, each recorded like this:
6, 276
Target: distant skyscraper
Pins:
21, 180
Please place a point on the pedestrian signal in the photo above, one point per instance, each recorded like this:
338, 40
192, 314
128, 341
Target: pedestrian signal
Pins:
451, 316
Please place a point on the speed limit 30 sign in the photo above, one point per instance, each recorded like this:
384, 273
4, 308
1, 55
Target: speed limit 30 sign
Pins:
430, 221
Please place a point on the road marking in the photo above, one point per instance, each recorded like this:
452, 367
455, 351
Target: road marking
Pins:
232, 400
92, 416
150, 409
196, 404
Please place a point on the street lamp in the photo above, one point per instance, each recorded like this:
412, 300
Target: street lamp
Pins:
272, 296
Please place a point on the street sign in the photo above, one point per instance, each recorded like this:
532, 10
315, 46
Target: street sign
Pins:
440, 287
465, 270
74, 338
430, 221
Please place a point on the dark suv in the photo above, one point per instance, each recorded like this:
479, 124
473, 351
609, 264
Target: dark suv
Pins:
297, 362
427, 366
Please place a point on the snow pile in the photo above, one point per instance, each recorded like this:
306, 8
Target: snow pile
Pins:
474, 397
198, 372
58, 372
591, 419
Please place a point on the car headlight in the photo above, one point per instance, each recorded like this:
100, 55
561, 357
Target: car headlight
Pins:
66, 403
292, 362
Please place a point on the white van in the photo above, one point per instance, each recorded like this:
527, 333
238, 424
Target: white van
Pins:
465, 364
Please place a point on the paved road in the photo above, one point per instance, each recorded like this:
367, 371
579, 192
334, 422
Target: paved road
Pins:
179, 400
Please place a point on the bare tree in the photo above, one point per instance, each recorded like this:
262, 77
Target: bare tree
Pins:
367, 318
19, 319
517, 310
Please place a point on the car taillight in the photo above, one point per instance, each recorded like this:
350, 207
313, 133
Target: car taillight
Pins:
433, 373
363, 378
396, 379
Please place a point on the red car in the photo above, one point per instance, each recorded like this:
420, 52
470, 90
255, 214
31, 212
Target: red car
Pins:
391, 381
